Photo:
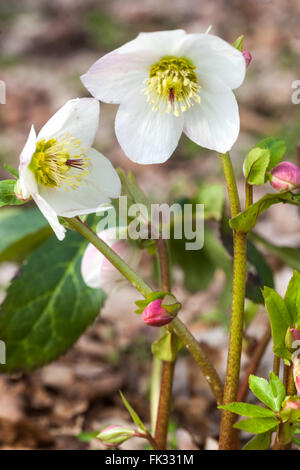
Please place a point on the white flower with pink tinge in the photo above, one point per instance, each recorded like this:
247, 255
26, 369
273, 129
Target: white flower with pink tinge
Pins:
97, 271
60, 170
167, 83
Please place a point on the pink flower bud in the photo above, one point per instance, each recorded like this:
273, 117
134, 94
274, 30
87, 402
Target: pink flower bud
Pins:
295, 333
113, 435
247, 56
285, 176
292, 404
296, 371
155, 315
97, 271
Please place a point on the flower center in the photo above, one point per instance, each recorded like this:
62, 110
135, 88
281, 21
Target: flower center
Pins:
172, 85
59, 163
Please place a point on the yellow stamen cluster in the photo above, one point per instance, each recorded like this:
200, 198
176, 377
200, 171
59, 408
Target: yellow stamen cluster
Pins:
59, 163
172, 85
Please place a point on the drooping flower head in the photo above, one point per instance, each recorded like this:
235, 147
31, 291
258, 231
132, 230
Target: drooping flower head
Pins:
97, 271
167, 83
59, 169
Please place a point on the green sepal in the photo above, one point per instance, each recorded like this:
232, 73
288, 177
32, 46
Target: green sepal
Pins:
167, 347
238, 43
142, 304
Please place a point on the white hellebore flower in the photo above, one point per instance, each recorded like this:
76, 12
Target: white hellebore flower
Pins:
97, 271
167, 83
59, 169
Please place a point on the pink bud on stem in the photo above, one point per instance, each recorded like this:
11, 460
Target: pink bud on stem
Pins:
285, 176
155, 315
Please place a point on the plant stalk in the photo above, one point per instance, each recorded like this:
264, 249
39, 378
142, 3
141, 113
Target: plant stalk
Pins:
228, 435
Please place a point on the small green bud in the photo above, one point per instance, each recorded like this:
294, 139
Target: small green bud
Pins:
113, 435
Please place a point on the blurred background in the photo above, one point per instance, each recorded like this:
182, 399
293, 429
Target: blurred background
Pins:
44, 48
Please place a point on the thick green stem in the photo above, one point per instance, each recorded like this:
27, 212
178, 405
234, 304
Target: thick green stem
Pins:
234, 200
163, 412
228, 436
176, 325
276, 365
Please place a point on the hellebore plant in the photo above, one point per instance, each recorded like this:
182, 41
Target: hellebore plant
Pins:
166, 83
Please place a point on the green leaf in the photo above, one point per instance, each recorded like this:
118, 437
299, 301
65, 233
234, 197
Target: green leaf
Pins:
257, 425
247, 409
276, 147
262, 390
167, 347
7, 194
260, 442
292, 297
48, 306
21, 231
278, 390
135, 417
11, 170
245, 221
280, 320
255, 166
213, 198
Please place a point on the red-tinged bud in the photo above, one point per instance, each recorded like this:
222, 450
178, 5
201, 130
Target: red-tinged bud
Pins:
292, 404
290, 410
291, 336
285, 176
155, 315
113, 435
296, 371
295, 333
247, 57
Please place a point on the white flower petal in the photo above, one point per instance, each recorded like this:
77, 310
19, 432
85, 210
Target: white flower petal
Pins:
28, 183
78, 117
118, 73
214, 56
214, 123
146, 136
28, 150
91, 266
50, 215
162, 42
100, 185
